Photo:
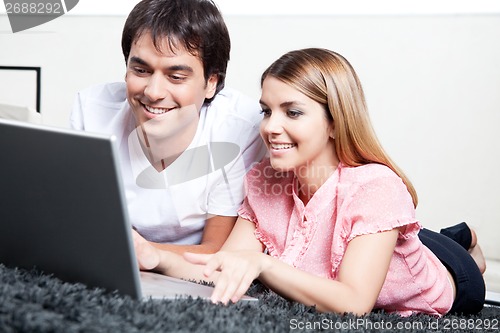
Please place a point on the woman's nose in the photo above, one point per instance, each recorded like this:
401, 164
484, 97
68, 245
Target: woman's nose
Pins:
272, 124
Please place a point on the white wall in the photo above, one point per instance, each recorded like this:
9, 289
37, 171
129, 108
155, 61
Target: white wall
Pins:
312, 7
432, 84
433, 88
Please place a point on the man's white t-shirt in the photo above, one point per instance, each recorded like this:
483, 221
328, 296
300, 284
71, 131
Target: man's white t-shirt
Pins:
172, 206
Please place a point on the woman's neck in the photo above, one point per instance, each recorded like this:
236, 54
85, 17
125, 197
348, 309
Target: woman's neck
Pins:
312, 177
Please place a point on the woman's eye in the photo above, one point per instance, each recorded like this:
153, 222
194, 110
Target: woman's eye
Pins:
294, 113
266, 112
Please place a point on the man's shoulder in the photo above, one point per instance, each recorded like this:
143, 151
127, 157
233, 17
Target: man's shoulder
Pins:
101, 108
112, 92
235, 95
231, 102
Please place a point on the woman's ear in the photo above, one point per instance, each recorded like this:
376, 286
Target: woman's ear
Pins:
332, 131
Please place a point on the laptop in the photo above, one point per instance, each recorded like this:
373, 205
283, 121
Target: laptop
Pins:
63, 212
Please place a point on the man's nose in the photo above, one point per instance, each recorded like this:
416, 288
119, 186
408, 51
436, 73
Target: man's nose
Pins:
157, 87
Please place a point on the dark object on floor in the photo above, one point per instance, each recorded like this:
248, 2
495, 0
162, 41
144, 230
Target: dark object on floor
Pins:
34, 302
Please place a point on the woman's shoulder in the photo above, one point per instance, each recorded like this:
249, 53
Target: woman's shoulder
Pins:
367, 173
375, 183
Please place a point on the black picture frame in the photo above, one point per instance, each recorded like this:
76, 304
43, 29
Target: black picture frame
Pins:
38, 71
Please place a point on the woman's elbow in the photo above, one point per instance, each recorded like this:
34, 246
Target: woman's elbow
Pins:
355, 306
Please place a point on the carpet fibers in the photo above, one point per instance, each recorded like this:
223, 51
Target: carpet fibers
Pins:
34, 302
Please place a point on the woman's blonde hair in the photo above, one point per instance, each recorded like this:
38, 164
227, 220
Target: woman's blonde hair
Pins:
329, 79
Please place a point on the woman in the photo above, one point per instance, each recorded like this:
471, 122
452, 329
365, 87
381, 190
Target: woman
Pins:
335, 214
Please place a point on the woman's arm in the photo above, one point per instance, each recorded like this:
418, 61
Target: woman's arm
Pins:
361, 276
360, 279
173, 264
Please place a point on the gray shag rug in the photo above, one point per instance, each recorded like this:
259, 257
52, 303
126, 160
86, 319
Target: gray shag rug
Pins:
34, 302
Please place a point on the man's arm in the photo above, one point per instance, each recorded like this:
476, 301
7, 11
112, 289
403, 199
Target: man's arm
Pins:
215, 233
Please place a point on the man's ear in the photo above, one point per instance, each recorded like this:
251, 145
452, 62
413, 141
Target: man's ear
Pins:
211, 86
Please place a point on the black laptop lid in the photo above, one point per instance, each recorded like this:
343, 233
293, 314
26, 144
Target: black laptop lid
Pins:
62, 206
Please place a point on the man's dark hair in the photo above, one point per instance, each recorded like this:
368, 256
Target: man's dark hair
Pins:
196, 25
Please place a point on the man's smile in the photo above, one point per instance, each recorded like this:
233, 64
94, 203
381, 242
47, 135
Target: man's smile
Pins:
157, 110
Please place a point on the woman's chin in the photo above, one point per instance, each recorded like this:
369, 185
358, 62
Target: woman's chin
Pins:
281, 166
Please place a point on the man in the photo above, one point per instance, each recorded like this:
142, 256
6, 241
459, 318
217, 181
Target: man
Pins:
185, 141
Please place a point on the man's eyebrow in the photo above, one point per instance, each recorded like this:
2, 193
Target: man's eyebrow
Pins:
184, 68
139, 61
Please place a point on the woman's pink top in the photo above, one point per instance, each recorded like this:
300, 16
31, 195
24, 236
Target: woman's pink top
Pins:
353, 201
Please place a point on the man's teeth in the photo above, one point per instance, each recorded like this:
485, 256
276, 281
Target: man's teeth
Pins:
156, 110
282, 145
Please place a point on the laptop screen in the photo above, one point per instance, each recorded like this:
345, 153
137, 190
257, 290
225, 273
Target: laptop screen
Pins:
62, 206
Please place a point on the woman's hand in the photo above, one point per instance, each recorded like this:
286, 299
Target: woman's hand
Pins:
237, 270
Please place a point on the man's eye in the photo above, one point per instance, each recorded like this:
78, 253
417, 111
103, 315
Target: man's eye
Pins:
140, 70
176, 77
